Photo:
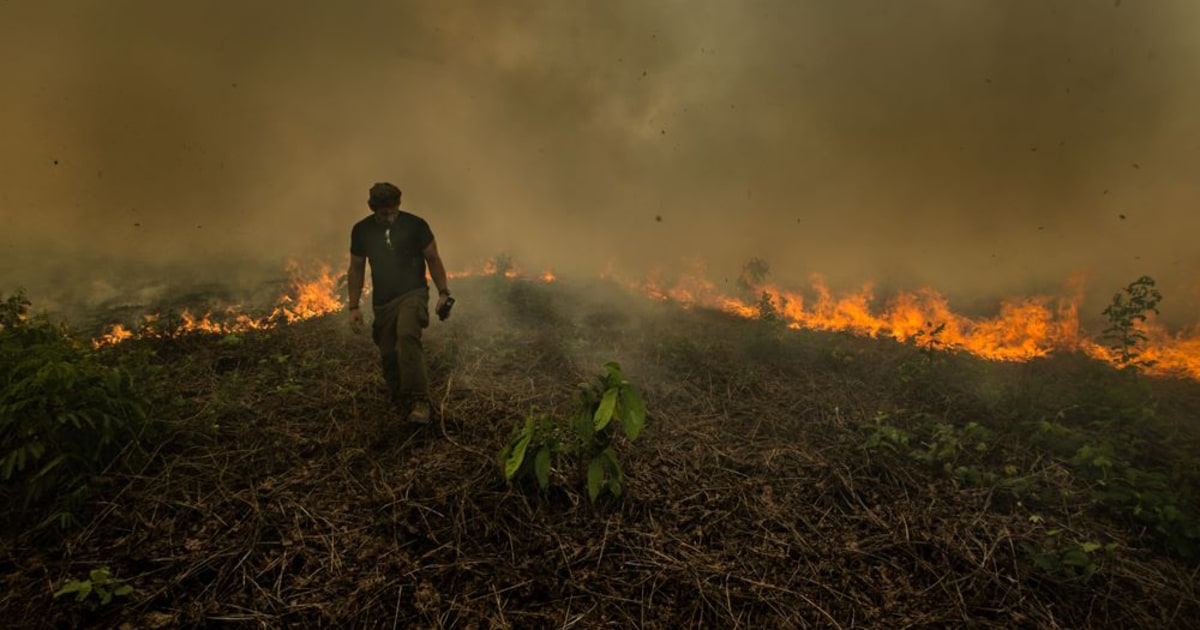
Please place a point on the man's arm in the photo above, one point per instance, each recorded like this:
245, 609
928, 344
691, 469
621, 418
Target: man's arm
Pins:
437, 270
355, 278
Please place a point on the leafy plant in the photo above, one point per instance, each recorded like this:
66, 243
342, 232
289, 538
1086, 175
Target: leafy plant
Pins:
946, 443
599, 404
767, 310
14, 311
542, 437
64, 415
929, 339
1077, 561
97, 590
1128, 310
587, 436
883, 436
1145, 497
956, 450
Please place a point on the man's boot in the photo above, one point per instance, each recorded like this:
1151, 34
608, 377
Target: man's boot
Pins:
420, 411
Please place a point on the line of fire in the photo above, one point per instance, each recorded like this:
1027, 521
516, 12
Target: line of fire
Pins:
1023, 329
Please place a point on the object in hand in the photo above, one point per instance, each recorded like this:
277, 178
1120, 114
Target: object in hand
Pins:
444, 310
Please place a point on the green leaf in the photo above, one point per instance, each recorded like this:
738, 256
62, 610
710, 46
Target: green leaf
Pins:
595, 478
611, 464
616, 476
517, 457
633, 418
583, 425
1076, 558
74, 586
1089, 547
123, 590
51, 465
615, 377
604, 412
541, 467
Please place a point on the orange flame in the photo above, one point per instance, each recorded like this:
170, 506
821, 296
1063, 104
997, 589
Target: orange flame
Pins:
308, 297
1023, 329
511, 272
311, 295
118, 334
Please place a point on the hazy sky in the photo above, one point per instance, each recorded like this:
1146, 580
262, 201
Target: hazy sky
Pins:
978, 146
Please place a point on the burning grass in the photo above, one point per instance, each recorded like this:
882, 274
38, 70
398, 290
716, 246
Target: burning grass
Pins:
785, 479
1023, 329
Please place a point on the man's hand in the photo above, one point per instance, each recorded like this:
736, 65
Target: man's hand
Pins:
356, 321
441, 302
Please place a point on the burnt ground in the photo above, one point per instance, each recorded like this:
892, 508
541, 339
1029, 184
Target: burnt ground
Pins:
285, 492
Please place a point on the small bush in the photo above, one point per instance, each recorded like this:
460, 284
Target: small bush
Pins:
587, 437
64, 415
1128, 310
1076, 561
97, 590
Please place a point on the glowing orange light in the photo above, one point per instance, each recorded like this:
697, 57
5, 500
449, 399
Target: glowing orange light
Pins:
1023, 328
309, 296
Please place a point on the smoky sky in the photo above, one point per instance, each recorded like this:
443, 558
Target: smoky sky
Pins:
981, 147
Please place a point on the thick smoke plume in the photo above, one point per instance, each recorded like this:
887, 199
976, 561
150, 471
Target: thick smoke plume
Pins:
981, 148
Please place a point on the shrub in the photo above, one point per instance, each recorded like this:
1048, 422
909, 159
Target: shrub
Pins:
587, 436
1128, 310
64, 415
97, 590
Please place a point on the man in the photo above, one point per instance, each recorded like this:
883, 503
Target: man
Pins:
399, 245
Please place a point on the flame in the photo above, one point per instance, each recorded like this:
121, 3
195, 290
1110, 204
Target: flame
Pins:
117, 334
310, 295
490, 268
1023, 329
308, 299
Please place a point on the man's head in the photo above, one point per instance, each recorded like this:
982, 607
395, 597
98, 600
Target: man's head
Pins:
384, 201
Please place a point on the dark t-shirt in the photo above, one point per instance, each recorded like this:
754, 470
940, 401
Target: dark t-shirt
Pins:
396, 254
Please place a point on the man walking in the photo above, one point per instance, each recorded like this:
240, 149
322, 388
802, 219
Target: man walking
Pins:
399, 245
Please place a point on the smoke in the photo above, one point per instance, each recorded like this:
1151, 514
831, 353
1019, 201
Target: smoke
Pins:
982, 148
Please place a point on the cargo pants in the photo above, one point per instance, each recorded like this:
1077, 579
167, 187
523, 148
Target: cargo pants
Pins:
397, 332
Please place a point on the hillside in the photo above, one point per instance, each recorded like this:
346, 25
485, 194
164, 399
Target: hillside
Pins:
784, 479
